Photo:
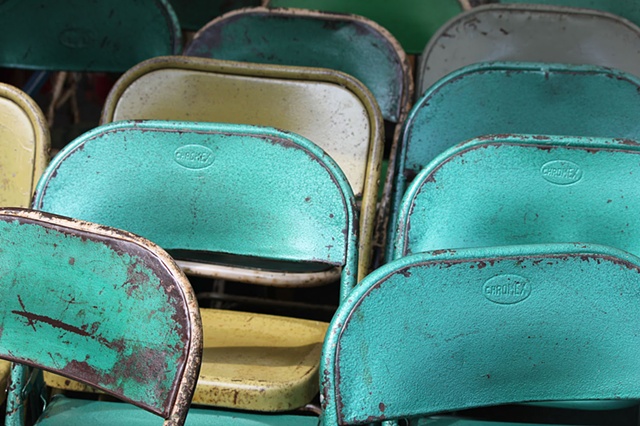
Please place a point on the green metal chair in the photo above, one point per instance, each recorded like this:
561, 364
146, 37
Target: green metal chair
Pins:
528, 98
412, 22
222, 194
194, 14
628, 9
333, 110
24, 149
444, 331
528, 32
102, 35
524, 189
112, 310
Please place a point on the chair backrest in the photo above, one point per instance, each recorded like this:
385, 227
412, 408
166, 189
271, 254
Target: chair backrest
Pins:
412, 22
628, 9
210, 192
438, 332
331, 109
348, 43
102, 35
24, 146
514, 189
110, 309
527, 98
533, 33
193, 14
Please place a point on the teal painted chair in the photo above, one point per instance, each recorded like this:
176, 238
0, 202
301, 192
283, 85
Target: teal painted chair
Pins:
412, 22
333, 110
193, 14
443, 331
628, 9
529, 98
514, 189
226, 195
103, 35
518, 189
112, 310
532, 33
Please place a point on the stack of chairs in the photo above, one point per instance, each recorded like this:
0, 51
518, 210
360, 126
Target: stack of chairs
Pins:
493, 279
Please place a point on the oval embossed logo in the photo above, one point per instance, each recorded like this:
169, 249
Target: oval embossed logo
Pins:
76, 38
561, 172
507, 289
194, 156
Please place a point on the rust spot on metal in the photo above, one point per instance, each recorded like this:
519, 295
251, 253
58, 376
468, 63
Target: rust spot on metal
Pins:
482, 265
382, 407
72, 261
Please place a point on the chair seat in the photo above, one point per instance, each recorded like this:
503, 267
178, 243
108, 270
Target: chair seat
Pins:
250, 361
277, 358
77, 412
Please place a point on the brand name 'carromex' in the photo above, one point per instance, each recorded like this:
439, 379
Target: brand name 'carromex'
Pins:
507, 289
194, 156
561, 172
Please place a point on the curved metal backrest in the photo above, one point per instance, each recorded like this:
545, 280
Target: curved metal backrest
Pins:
331, 109
205, 191
438, 332
347, 43
194, 14
102, 35
628, 9
124, 318
24, 147
412, 22
501, 32
512, 189
528, 98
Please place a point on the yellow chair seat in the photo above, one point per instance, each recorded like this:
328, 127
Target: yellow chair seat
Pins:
258, 362
250, 361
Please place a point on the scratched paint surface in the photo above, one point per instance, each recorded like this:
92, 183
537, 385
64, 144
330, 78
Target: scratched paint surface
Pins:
525, 190
312, 40
529, 33
574, 337
204, 186
628, 9
73, 303
412, 22
25, 144
80, 35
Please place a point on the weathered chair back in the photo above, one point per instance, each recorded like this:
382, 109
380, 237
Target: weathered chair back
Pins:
24, 146
412, 22
445, 331
531, 33
103, 35
347, 43
512, 189
525, 98
628, 9
219, 195
194, 14
329, 108
124, 317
